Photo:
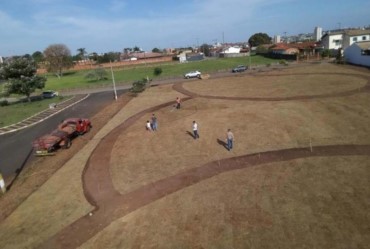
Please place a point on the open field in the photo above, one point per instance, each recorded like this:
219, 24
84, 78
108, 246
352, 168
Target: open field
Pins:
297, 177
123, 76
127, 75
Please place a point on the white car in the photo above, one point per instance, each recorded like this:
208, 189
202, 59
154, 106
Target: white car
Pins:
192, 74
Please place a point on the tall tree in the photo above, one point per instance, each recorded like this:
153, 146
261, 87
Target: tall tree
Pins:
156, 50
58, 57
38, 56
81, 53
259, 39
21, 76
205, 49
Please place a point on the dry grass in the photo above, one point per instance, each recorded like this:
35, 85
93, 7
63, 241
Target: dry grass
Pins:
310, 203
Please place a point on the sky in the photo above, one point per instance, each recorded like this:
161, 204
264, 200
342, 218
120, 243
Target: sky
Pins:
27, 26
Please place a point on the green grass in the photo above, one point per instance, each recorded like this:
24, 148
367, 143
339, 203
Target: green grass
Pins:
17, 112
129, 74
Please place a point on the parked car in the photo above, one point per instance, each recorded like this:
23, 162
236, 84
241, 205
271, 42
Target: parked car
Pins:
238, 69
49, 94
192, 74
62, 136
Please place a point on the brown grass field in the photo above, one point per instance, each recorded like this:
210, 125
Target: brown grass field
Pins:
298, 176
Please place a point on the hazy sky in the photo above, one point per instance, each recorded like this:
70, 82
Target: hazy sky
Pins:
99, 26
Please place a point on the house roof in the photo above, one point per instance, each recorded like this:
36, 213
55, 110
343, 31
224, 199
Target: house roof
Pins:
145, 55
364, 45
302, 45
350, 32
357, 32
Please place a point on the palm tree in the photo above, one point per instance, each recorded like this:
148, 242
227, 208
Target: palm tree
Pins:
81, 53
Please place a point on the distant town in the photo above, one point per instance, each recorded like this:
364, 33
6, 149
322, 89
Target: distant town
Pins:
351, 43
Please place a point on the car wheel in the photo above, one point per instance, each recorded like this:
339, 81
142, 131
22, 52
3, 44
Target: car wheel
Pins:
67, 144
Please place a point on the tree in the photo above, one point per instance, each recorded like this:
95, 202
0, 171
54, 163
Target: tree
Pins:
156, 50
136, 49
21, 76
58, 57
205, 49
38, 56
259, 39
81, 53
98, 73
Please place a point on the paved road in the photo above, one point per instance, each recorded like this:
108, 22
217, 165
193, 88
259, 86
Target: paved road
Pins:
16, 149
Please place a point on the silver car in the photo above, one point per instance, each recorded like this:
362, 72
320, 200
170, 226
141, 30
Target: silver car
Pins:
192, 74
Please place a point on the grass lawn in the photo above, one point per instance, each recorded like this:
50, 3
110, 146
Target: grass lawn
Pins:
14, 113
126, 75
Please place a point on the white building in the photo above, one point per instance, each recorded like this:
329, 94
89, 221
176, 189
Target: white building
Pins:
231, 50
318, 33
345, 38
1, 60
277, 39
358, 53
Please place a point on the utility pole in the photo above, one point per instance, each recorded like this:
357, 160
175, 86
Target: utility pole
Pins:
114, 82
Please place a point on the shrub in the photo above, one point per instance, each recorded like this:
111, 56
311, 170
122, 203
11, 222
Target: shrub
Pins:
157, 71
268, 64
4, 102
139, 86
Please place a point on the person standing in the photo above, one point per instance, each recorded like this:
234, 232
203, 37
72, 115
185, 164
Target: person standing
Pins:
178, 103
148, 126
230, 139
154, 122
195, 130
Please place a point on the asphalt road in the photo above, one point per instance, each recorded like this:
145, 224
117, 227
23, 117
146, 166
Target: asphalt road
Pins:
16, 147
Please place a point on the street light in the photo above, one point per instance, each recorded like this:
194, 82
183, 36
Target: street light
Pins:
114, 82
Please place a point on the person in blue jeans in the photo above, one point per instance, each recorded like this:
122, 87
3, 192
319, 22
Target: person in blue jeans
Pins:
230, 139
154, 122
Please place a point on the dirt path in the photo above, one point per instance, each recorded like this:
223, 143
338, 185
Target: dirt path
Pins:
111, 205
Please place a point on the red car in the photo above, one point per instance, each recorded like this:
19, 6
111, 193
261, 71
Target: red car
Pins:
62, 136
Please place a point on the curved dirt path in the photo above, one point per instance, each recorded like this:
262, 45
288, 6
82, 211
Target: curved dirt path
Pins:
110, 205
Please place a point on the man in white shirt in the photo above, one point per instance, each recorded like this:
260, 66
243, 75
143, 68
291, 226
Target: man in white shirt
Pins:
195, 130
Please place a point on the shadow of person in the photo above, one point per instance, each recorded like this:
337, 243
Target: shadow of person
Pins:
190, 134
222, 143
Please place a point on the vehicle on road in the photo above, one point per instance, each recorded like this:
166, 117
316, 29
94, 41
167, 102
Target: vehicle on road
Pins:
192, 74
62, 136
239, 69
49, 94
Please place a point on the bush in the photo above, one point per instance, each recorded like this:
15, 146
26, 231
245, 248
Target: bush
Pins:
268, 64
4, 102
139, 86
283, 62
157, 71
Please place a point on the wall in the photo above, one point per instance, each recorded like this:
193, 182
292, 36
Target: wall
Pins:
353, 55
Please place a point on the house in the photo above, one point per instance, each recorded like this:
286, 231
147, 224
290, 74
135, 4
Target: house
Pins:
358, 53
283, 48
344, 38
231, 50
303, 48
